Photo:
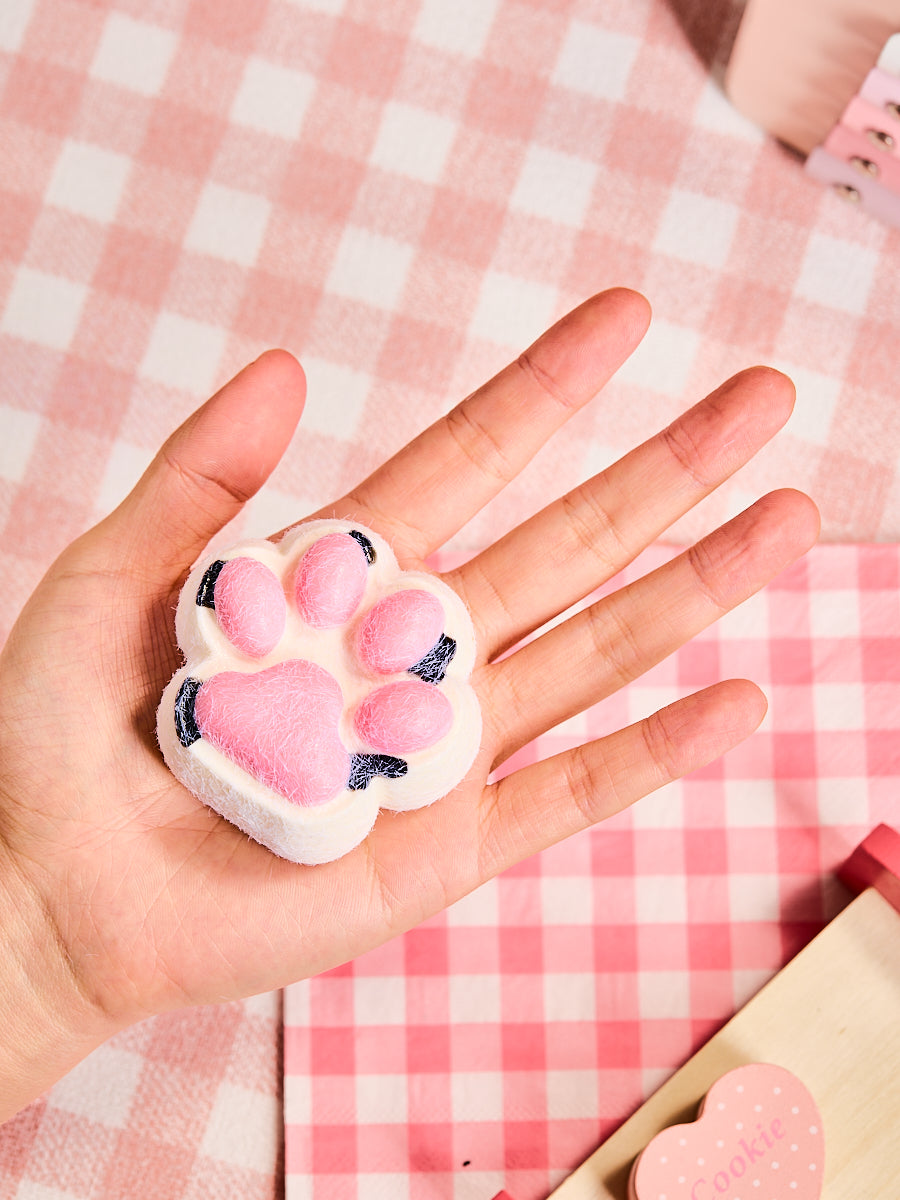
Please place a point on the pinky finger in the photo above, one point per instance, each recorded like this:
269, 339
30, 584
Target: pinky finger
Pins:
547, 801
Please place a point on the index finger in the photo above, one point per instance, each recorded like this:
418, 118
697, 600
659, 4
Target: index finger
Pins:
437, 483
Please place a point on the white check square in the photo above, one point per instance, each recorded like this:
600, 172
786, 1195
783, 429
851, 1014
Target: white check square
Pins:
133, 54
102, 1087
664, 995
43, 308
477, 1095
335, 398
834, 613
88, 180
243, 1128
749, 803
660, 899
228, 224
18, 433
379, 1000
596, 61
370, 268
412, 141
555, 186
837, 273
272, 99
663, 360
183, 353
382, 1099
474, 999
754, 898
14, 18
839, 706
569, 997
512, 311
697, 228
455, 26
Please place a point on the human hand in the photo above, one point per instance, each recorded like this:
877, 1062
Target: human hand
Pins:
123, 896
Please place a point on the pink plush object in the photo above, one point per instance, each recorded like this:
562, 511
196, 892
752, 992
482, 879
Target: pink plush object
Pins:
330, 581
759, 1134
321, 682
400, 630
281, 726
250, 605
400, 718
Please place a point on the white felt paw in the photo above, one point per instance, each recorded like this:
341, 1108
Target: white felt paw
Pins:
320, 684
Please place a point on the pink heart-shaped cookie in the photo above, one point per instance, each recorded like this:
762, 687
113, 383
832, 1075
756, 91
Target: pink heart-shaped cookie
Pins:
758, 1136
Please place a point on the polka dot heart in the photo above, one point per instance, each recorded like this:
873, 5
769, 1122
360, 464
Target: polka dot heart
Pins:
758, 1136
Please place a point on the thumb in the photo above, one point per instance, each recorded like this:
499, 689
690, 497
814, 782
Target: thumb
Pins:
207, 470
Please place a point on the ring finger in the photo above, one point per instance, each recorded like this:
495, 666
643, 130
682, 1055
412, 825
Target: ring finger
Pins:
578, 542
599, 650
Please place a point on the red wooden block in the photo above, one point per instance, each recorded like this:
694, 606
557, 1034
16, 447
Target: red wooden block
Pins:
876, 863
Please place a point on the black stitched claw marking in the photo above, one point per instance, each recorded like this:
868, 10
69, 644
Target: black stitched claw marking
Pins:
367, 547
185, 721
364, 768
207, 588
433, 667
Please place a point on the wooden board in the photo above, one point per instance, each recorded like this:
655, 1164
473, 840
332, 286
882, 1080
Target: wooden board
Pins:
832, 1016
796, 63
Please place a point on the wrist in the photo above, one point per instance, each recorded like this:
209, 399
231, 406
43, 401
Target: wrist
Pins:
49, 1024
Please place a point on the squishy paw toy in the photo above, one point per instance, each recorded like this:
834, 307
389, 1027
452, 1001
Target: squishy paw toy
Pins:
321, 683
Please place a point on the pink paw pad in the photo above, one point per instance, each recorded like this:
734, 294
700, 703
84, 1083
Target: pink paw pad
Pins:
249, 603
279, 725
363, 699
400, 718
400, 630
331, 579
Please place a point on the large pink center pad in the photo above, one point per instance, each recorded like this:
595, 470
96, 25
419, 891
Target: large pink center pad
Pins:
321, 683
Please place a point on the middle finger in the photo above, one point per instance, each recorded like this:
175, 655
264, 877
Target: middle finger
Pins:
578, 542
606, 646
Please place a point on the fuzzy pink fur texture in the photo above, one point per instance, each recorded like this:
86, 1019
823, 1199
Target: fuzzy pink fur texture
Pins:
250, 605
400, 630
330, 581
401, 718
280, 725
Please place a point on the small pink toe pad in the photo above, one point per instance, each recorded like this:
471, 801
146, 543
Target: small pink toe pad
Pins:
401, 718
400, 630
331, 579
250, 605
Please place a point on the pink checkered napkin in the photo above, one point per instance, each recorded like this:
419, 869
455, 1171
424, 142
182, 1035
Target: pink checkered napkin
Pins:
499, 1043
183, 1107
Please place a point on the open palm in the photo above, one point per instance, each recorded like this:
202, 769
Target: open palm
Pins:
131, 897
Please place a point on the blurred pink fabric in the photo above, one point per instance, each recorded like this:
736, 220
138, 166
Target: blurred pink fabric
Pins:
404, 194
